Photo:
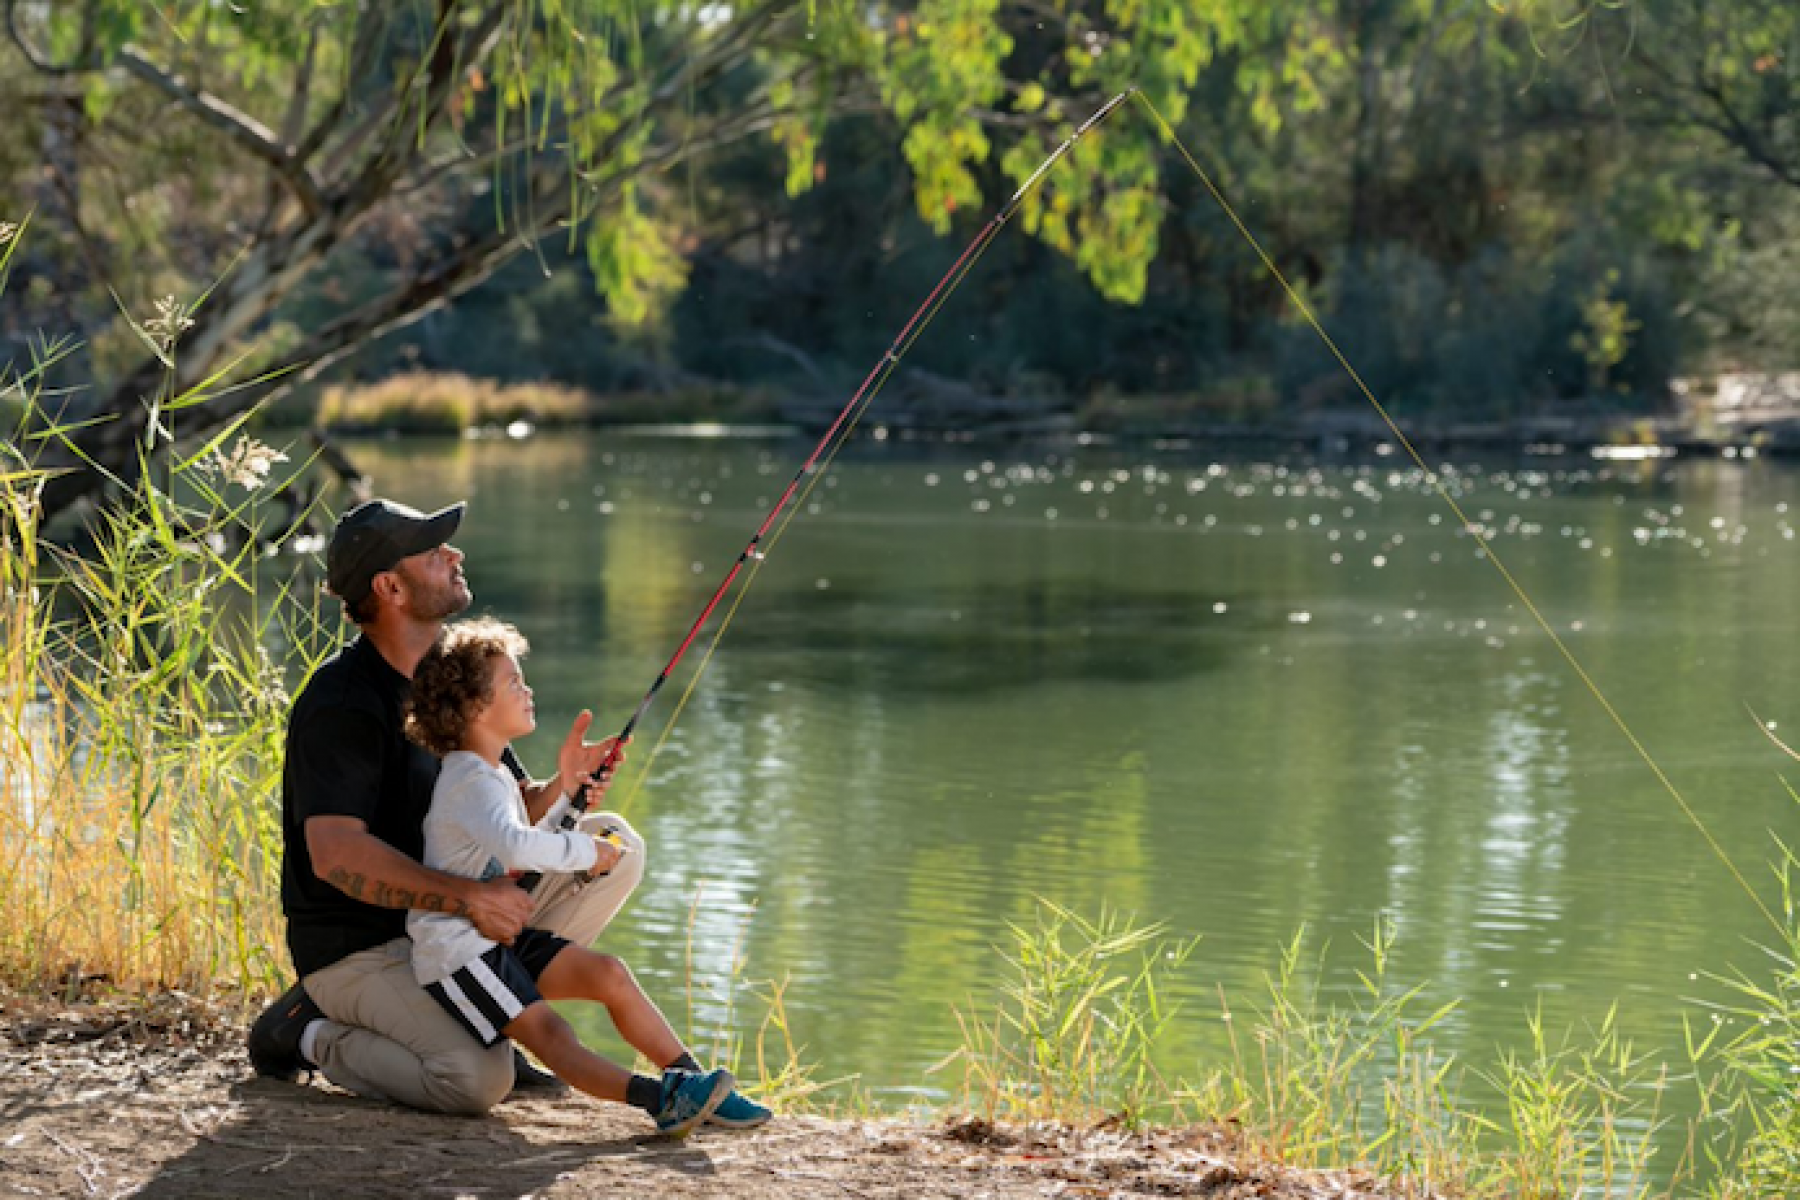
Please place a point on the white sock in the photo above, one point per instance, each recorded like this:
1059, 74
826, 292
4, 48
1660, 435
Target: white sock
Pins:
309, 1041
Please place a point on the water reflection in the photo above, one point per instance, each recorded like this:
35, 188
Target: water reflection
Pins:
986, 638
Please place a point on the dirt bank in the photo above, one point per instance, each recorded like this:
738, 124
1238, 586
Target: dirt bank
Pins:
156, 1099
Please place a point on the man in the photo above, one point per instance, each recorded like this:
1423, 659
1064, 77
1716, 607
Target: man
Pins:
354, 796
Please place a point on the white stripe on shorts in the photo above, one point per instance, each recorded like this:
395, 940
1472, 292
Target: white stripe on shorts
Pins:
496, 989
470, 1012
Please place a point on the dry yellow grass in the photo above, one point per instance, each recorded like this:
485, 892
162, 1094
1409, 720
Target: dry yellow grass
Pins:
423, 401
140, 725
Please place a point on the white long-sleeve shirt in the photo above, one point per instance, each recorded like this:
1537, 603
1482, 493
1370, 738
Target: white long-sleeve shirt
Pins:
478, 828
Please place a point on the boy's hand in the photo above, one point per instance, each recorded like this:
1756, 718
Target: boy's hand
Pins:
578, 759
499, 909
608, 850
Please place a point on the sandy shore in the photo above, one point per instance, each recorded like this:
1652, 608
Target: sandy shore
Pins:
156, 1099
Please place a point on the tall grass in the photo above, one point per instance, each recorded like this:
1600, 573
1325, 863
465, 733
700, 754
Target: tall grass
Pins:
1318, 1084
142, 703
1361, 1082
438, 402
769, 1065
1750, 1132
140, 752
1311, 1081
1080, 1014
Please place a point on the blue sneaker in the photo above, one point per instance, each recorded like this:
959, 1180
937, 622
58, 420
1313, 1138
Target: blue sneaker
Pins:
738, 1111
688, 1098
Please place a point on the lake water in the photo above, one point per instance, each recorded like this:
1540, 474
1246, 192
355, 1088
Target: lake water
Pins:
1240, 698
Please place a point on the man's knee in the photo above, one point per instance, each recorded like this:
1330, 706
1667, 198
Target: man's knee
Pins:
470, 1084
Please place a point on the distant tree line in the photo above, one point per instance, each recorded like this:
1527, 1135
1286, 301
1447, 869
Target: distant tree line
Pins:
1496, 209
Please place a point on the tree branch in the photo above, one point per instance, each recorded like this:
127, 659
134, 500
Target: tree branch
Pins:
40, 62
720, 58
1703, 102
439, 71
446, 280
240, 127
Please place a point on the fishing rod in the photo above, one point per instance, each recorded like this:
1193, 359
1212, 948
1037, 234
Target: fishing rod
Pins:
845, 421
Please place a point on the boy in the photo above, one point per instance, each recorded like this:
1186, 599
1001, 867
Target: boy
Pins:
469, 701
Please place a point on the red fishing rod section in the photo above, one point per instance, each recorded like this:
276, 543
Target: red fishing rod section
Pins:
883, 367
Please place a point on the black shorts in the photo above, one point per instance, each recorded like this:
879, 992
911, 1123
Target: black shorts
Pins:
487, 994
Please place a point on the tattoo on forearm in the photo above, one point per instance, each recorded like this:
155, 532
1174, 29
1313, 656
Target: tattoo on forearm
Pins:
436, 902
354, 885
391, 897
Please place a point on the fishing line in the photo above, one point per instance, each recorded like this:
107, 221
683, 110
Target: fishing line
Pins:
1471, 528
845, 423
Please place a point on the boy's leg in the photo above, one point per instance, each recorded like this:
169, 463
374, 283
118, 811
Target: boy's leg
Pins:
579, 909
580, 974
385, 1038
680, 1101
540, 1030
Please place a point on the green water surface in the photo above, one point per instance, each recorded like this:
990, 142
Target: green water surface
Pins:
1238, 697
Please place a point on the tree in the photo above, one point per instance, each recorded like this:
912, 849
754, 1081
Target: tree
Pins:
460, 133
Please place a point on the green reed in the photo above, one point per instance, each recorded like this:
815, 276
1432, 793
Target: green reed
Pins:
1313, 1081
142, 707
1749, 1133
1315, 1084
1079, 1017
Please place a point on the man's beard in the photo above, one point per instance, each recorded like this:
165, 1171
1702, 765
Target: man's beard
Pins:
441, 603
436, 602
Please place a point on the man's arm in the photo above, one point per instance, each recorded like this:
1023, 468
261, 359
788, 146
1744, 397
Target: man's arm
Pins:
362, 866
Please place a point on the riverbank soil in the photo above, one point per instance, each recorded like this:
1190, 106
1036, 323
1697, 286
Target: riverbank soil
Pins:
156, 1099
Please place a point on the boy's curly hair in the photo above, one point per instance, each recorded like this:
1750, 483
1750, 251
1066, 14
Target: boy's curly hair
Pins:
454, 680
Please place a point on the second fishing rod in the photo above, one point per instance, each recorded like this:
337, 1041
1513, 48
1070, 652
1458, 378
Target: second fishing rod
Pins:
839, 429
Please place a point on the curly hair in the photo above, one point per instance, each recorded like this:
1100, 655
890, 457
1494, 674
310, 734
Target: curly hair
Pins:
455, 679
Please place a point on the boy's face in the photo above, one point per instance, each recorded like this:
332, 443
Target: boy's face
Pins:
509, 712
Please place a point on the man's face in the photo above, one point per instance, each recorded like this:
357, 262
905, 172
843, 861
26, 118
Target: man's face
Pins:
433, 584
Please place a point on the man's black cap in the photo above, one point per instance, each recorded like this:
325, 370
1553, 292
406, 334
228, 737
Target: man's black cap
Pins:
373, 537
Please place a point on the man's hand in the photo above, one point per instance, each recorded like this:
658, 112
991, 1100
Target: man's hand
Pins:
499, 909
579, 760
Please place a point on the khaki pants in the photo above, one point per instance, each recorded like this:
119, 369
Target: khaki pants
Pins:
386, 1039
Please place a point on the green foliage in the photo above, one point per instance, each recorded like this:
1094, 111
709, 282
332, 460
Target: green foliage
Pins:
1605, 333
1321, 1085
946, 59
1082, 1011
1579, 1115
1330, 1085
1448, 184
634, 258
1750, 1081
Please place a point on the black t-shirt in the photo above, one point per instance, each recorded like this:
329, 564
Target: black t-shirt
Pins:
348, 756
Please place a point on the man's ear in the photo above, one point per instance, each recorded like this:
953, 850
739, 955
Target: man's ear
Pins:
387, 586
